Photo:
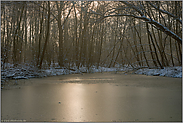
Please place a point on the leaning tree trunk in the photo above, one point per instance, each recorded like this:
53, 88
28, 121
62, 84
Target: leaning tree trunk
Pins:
47, 37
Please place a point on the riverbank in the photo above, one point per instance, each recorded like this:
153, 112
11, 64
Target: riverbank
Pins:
26, 72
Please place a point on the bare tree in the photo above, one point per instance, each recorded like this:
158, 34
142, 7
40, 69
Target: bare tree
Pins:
47, 37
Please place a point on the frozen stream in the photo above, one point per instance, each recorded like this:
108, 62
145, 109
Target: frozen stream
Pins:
93, 97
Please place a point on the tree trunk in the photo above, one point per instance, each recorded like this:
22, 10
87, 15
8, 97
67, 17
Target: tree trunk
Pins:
47, 37
40, 38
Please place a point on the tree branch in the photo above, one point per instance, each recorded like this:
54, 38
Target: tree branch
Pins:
155, 23
165, 12
148, 20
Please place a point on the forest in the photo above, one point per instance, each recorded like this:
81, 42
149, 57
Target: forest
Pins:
137, 34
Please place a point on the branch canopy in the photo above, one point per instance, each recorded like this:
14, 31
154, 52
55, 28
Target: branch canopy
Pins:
148, 20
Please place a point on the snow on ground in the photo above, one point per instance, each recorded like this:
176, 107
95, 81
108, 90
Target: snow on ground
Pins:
26, 71
175, 72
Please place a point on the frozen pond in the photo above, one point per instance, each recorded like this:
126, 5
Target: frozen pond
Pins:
94, 97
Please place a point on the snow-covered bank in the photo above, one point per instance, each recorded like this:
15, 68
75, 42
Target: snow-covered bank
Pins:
26, 72
175, 72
